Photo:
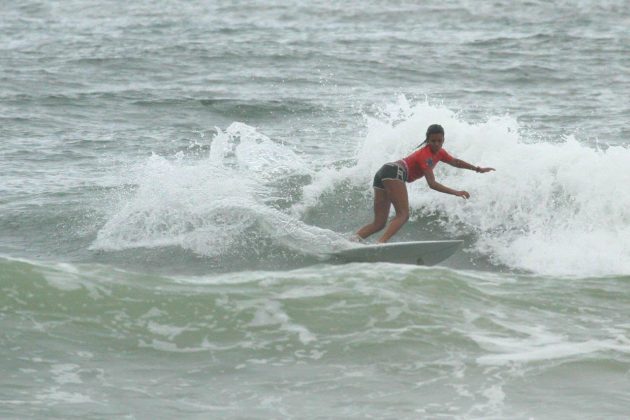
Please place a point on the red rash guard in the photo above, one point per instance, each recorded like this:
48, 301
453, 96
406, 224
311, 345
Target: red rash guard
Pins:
423, 159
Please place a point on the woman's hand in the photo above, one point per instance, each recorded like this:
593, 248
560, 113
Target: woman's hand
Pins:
463, 194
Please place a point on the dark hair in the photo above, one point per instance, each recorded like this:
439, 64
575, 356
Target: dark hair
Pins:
433, 129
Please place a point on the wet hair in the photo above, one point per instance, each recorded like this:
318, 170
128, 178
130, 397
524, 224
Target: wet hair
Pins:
433, 129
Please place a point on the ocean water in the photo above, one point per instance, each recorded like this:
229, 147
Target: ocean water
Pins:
172, 175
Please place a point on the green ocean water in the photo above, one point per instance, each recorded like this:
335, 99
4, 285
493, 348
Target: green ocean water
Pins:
354, 340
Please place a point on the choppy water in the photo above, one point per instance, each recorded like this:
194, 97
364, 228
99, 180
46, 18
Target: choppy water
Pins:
171, 174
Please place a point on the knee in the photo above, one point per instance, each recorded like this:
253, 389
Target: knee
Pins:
379, 224
404, 215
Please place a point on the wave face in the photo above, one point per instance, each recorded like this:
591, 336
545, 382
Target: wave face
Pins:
91, 338
553, 207
229, 204
540, 212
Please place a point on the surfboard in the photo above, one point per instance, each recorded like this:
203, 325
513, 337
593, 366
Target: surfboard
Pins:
413, 252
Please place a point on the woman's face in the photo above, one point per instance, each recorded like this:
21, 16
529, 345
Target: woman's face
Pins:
435, 140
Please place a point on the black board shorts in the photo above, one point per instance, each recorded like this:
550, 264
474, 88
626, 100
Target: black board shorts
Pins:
392, 170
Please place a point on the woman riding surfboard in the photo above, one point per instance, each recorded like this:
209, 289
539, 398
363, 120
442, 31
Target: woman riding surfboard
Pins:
389, 183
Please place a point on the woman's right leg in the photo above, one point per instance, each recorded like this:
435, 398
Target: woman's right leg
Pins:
381, 213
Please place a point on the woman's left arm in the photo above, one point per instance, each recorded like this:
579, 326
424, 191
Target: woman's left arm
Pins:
458, 163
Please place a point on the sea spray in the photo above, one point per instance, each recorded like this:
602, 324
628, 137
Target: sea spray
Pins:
552, 207
214, 205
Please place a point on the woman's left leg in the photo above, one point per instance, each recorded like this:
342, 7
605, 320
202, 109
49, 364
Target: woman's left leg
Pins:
381, 212
396, 193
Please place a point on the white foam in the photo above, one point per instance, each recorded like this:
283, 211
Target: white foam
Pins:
66, 373
555, 207
169, 331
212, 205
536, 343
55, 395
544, 352
271, 313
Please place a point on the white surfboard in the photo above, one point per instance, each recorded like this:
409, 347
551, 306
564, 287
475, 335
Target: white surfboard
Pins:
415, 252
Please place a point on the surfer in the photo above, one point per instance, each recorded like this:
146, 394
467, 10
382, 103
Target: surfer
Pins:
389, 183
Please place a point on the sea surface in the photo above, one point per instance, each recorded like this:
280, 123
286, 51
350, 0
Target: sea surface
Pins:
173, 175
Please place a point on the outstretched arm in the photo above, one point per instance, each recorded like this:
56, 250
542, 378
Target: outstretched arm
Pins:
434, 185
458, 163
